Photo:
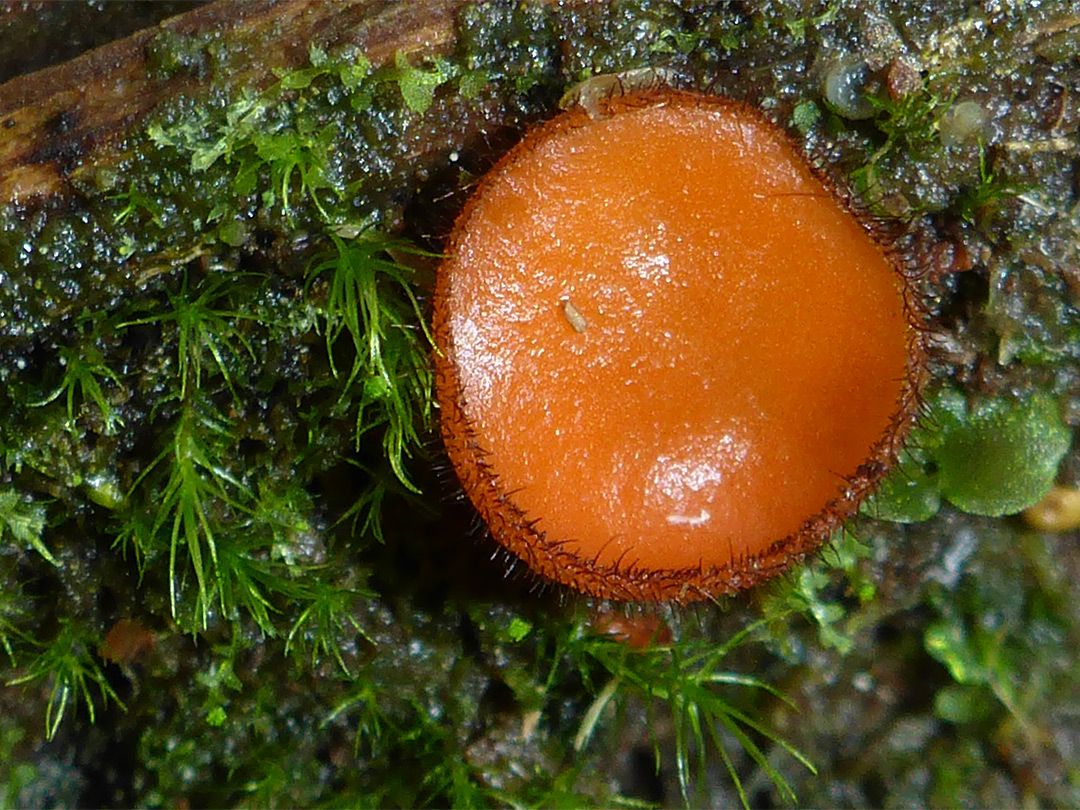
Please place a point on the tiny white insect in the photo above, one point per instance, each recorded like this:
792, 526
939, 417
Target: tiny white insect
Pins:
574, 317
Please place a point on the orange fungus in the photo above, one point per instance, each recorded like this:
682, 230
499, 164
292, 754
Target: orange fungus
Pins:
669, 359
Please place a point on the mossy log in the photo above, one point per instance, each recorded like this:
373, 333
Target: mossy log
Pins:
80, 113
354, 644
73, 142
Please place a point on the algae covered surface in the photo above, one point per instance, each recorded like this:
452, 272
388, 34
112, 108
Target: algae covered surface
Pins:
234, 566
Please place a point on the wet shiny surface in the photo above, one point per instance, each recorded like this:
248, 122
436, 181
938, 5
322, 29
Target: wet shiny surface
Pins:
671, 342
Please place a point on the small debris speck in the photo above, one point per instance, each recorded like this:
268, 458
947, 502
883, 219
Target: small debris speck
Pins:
574, 317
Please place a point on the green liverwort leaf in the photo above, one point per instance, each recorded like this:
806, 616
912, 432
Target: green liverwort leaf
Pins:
298, 79
418, 85
908, 494
1000, 457
805, 116
948, 642
355, 72
472, 82
318, 56
519, 629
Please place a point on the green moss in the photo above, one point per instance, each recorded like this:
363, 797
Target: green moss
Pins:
216, 413
910, 493
812, 593
69, 668
687, 678
16, 774
998, 457
1000, 640
990, 190
24, 521
13, 616
994, 457
417, 84
170, 54
371, 297
84, 370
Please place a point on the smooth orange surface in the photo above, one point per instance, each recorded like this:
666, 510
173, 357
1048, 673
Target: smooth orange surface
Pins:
744, 343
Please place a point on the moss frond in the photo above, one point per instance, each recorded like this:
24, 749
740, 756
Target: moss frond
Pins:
84, 368
195, 482
990, 190
361, 702
201, 328
370, 296
327, 617
367, 510
686, 677
135, 202
302, 153
13, 608
185, 508
70, 667
909, 122
218, 679
24, 520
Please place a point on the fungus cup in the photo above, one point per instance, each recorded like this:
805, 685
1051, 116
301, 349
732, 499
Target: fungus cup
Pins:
671, 359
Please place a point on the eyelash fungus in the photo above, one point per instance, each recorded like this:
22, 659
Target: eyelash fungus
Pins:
750, 367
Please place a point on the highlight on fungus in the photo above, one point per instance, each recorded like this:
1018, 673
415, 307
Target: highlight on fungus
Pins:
743, 366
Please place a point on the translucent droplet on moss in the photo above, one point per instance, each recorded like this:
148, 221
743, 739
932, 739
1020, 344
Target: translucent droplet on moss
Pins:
845, 88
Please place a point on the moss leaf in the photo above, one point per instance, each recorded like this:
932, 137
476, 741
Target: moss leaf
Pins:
418, 85
907, 495
25, 522
1001, 457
